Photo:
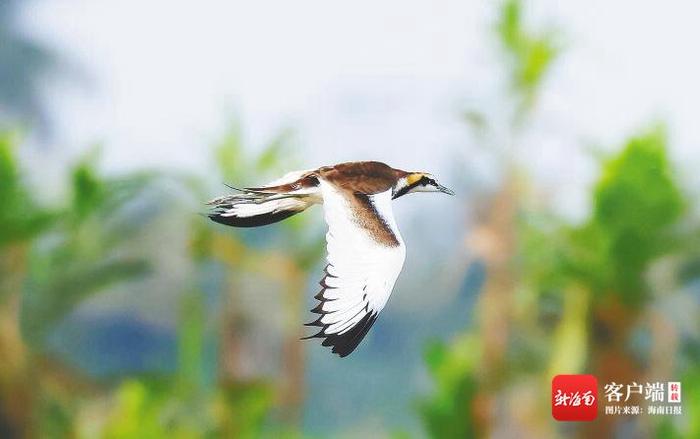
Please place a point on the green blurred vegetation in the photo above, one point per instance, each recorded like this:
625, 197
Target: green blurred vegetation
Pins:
583, 293
87, 249
529, 54
565, 298
54, 257
597, 296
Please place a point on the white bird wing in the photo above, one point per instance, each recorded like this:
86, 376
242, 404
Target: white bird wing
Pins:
252, 207
365, 256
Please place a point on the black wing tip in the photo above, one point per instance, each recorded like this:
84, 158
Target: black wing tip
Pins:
316, 335
342, 354
346, 343
316, 323
318, 309
340, 344
251, 221
327, 274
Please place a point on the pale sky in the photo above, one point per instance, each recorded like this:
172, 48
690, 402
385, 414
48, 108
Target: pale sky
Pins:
363, 80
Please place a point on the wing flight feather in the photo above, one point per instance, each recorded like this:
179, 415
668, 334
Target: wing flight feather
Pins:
365, 256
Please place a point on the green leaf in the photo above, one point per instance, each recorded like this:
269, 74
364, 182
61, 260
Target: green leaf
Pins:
87, 188
531, 54
21, 218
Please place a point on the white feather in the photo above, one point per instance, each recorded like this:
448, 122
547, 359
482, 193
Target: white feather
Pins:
244, 210
289, 177
362, 270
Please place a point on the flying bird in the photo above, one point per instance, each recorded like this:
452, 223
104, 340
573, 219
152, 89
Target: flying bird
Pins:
365, 249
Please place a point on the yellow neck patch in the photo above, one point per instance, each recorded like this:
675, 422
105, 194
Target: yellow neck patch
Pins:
412, 178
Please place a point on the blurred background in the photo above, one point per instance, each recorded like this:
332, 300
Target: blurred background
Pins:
568, 130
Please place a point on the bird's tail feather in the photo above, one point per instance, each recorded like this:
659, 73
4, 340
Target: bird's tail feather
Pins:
253, 209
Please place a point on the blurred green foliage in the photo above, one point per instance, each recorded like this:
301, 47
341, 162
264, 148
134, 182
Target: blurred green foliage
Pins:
449, 411
635, 204
578, 292
86, 248
77, 249
569, 297
185, 404
529, 54
21, 218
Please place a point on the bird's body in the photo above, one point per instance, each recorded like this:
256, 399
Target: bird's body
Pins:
365, 249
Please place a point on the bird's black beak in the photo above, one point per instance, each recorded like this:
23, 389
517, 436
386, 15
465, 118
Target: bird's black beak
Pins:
445, 190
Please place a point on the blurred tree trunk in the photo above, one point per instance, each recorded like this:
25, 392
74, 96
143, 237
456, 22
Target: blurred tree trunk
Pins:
285, 270
292, 396
231, 343
228, 250
15, 395
494, 240
611, 359
663, 355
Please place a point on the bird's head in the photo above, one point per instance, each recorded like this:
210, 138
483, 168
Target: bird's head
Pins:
418, 182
